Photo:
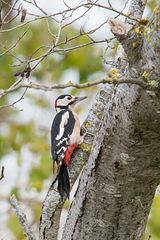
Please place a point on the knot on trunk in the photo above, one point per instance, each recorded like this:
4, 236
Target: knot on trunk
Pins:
119, 28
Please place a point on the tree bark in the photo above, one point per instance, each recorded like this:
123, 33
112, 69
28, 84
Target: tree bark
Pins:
118, 183
113, 202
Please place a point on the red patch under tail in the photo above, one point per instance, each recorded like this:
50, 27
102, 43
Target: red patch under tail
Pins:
68, 153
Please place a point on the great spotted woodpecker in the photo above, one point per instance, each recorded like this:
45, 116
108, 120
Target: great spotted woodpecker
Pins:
65, 137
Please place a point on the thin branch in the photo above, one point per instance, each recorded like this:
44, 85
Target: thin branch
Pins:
0, 14
52, 50
112, 9
136, 9
59, 33
27, 200
2, 173
9, 12
13, 7
124, 7
17, 82
49, 29
22, 218
35, 52
41, 9
32, 85
14, 45
77, 18
15, 102
69, 10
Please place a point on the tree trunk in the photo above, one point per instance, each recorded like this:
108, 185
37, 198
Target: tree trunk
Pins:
118, 183
117, 186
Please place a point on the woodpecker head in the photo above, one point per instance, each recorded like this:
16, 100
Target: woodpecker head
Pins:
67, 101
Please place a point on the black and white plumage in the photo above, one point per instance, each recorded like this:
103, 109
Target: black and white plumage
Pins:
65, 137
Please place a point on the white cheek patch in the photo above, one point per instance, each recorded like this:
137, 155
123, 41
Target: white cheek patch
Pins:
64, 121
62, 102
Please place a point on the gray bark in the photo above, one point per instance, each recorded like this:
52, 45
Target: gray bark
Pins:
118, 183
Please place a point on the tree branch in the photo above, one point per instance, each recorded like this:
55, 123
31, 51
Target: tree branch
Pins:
22, 218
108, 80
15, 102
136, 10
60, 13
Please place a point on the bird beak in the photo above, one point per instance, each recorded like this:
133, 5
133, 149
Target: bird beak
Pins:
79, 99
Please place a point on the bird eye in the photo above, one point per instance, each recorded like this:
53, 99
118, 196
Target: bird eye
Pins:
69, 98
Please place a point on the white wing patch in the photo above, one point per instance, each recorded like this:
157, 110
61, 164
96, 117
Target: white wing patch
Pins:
62, 149
63, 140
64, 120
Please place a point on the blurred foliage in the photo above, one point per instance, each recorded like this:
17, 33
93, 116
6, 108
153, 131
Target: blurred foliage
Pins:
14, 225
153, 226
41, 172
152, 4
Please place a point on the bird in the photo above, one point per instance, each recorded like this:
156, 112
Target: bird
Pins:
65, 138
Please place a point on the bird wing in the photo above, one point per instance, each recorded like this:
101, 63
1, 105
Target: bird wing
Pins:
62, 128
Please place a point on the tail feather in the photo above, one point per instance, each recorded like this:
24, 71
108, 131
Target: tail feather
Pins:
63, 181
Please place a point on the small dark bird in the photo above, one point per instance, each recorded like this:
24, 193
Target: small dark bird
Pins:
65, 137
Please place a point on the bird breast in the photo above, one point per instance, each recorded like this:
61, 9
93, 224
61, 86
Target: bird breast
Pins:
75, 136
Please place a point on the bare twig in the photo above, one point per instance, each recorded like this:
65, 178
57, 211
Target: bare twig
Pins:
68, 10
2, 173
28, 200
0, 14
14, 45
15, 102
11, 7
22, 218
77, 18
52, 50
122, 8
59, 33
